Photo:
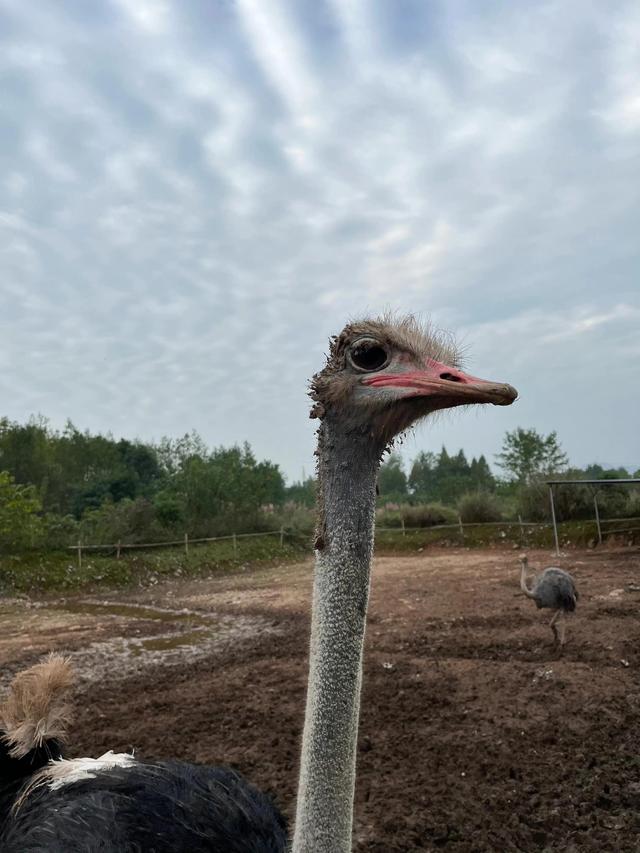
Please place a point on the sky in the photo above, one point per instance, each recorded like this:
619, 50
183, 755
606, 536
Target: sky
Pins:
194, 195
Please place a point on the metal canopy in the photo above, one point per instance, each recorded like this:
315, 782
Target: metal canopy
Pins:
552, 483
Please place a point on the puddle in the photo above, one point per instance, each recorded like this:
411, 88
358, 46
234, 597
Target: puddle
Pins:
173, 637
131, 611
170, 641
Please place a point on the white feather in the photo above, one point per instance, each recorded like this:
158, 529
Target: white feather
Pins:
67, 771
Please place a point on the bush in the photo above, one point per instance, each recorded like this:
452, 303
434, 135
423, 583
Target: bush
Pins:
633, 505
20, 524
575, 502
479, 507
427, 515
295, 518
60, 531
125, 521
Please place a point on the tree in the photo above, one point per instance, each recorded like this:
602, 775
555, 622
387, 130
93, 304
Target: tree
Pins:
527, 454
481, 477
303, 492
597, 472
20, 524
422, 476
392, 480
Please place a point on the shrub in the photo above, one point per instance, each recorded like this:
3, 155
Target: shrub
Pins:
125, 521
479, 507
59, 531
575, 502
426, 515
20, 524
632, 509
295, 517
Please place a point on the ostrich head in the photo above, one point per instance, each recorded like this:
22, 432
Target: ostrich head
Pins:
383, 375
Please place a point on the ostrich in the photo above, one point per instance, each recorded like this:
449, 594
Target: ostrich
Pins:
381, 377
554, 588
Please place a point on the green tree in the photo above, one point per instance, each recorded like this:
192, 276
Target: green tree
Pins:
303, 492
422, 477
597, 472
527, 454
481, 477
20, 524
392, 480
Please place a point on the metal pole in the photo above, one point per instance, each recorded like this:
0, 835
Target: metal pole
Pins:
186, 544
521, 530
595, 504
235, 545
553, 518
461, 528
282, 536
402, 521
79, 553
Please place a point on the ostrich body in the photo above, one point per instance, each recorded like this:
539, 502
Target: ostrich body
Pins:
381, 376
555, 589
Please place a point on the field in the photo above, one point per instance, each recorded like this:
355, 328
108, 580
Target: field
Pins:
476, 734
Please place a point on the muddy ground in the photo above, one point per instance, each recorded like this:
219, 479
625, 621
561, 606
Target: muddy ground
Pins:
476, 735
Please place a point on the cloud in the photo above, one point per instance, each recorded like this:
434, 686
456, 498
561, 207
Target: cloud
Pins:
194, 196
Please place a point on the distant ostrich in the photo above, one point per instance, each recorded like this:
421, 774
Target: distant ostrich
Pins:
381, 376
555, 589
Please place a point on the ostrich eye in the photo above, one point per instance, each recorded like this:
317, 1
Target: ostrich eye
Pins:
368, 355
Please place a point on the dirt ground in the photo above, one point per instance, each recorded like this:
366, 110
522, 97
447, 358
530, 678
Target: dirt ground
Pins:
476, 734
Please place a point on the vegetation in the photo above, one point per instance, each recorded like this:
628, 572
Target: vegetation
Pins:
526, 455
59, 487
482, 507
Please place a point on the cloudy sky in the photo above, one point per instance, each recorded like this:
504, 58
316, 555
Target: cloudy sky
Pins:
195, 194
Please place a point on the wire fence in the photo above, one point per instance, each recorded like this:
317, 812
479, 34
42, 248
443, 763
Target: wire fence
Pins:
460, 526
185, 543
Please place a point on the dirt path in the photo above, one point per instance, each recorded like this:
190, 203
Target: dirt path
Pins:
475, 734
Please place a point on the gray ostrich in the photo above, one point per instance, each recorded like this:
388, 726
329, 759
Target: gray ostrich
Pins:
555, 589
381, 377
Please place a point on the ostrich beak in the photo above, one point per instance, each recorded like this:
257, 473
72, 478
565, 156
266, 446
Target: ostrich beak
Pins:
447, 385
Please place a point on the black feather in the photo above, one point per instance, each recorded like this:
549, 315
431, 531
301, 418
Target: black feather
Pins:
167, 807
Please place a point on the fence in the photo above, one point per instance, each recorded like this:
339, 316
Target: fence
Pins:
462, 524
185, 542
594, 485
459, 526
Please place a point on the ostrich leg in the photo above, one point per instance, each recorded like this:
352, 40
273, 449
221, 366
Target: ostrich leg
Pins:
562, 623
552, 625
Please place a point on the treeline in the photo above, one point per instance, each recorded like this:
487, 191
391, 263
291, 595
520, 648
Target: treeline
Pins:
57, 486
434, 477
453, 486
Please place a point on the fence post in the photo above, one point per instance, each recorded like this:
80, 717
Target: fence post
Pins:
186, 544
595, 504
553, 518
521, 529
118, 550
79, 553
282, 536
461, 528
235, 545
402, 523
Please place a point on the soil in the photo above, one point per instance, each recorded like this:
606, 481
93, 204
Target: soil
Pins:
476, 733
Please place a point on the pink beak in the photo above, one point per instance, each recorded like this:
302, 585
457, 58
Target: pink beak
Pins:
449, 384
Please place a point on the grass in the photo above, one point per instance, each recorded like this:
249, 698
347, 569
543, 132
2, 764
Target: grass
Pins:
570, 534
58, 571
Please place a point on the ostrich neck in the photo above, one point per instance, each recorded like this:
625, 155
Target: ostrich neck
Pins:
347, 468
523, 581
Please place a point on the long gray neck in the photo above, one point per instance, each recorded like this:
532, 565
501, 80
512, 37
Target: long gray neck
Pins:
523, 580
347, 468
